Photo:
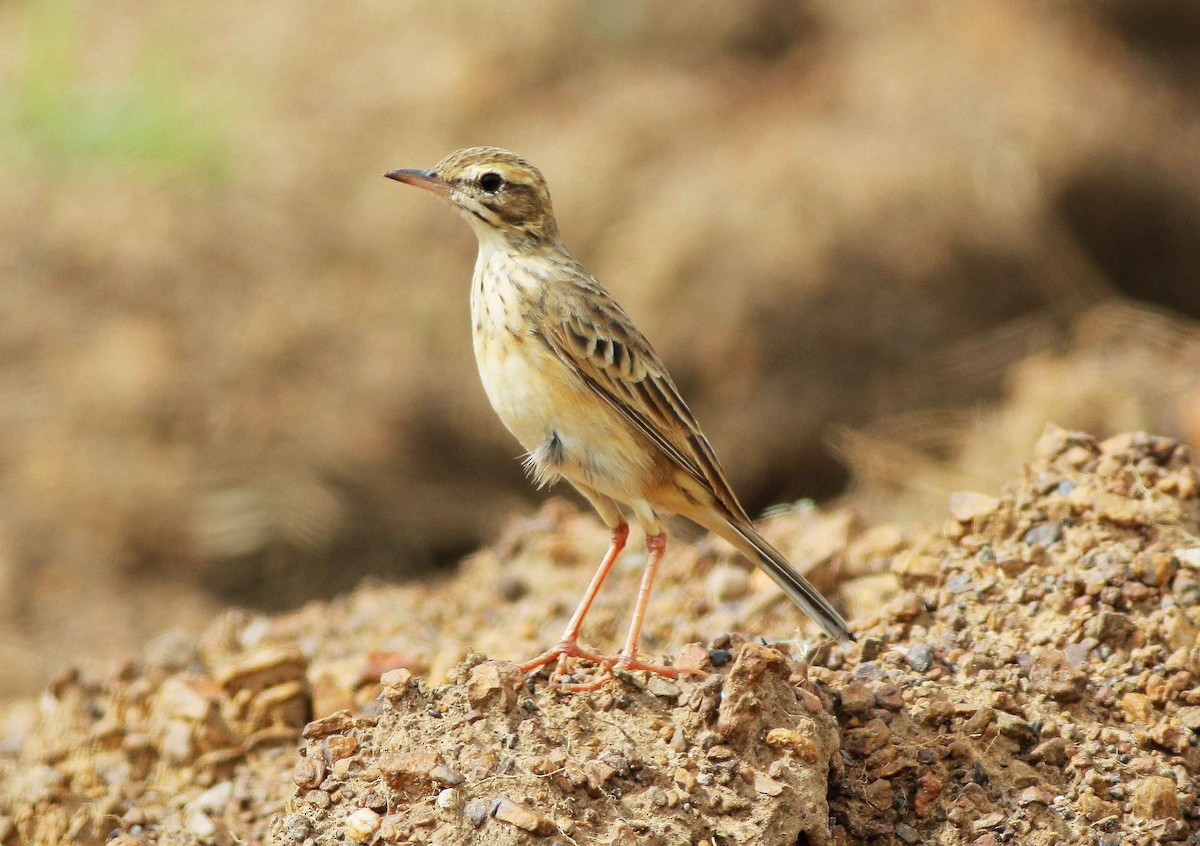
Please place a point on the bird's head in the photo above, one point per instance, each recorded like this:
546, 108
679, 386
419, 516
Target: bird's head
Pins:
498, 192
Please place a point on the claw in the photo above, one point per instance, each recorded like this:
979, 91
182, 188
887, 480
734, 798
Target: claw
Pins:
560, 652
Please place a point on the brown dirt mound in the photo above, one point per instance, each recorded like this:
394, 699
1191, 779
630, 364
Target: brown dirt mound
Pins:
1028, 674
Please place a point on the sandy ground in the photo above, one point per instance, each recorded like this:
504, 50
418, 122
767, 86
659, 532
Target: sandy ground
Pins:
1027, 673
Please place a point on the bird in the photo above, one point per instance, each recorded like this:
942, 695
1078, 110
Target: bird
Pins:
586, 395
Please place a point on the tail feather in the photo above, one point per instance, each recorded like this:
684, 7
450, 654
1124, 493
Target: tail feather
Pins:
754, 546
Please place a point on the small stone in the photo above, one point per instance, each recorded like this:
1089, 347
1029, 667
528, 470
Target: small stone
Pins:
1043, 534
1139, 709
908, 834
477, 811
213, 800
919, 656
395, 682
1189, 557
692, 656
1119, 509
441, 774
341, 746
1189, 717
684, 779
661, 687
402, 769
1049, 673
966, 506
1034, 795
335, 723
879, 794
1052, 752
521, 816
1077, 653
598, 773
870, 738
766, 785
857, 698
960, 583
911, 566
987, 821
263, 668
929, 788
297, 827
184, 698
1153, 798
447, 799
1112, 628
362, 824
1010, 725
889, 696
494, 679
200, 825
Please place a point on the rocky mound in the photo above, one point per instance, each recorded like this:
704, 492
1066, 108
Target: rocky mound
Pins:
1027, 674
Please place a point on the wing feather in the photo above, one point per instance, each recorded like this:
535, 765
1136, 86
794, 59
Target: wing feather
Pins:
594, 337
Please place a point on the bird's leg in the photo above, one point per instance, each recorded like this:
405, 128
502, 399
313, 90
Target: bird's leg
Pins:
656, 545
568, 644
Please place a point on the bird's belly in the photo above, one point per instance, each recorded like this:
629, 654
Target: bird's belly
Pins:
539, 399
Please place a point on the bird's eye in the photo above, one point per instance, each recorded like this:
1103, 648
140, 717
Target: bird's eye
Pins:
491, 182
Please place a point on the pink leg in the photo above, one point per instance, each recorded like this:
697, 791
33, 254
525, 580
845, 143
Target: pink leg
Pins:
656, 545
568, 644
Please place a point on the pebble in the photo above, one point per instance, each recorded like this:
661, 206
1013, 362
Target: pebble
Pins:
889, 696
908, 834
919, 656
1043, 534
1153, 798
477, 811
1051, 674
960, 583
514, 813
362, 824
857, 698
661, 687
213, 800
335, 723
1052, 752
870, 738
298, 827
200, 825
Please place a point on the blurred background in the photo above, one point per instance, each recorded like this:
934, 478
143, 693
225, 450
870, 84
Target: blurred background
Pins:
880, 246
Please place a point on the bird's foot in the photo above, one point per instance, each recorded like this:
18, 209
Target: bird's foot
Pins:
560, 652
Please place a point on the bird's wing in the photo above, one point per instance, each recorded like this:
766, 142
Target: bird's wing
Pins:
594, 337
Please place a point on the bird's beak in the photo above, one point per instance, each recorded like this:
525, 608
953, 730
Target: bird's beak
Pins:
427, 179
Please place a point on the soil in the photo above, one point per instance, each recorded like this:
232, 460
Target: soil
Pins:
1027, 673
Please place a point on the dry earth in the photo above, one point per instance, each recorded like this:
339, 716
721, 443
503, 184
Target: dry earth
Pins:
1028, 674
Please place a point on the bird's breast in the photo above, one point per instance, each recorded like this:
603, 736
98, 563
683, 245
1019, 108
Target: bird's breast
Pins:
540, 399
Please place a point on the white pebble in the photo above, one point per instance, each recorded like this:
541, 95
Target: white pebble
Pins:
362, 825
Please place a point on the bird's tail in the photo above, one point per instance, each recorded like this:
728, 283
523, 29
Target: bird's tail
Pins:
746, 539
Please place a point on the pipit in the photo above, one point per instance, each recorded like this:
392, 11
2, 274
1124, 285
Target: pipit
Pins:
586, 395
